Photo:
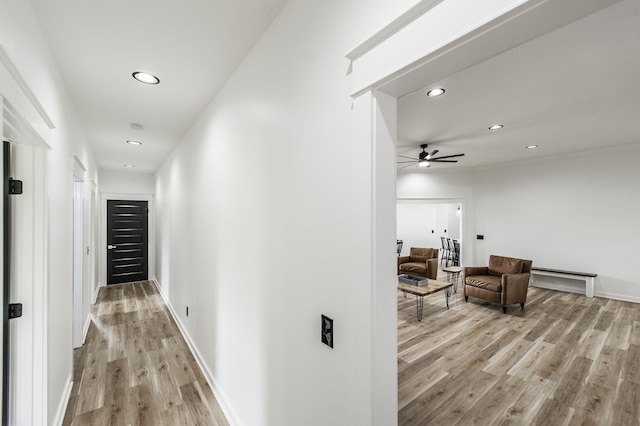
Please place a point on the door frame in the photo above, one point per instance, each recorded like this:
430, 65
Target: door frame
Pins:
386, 66
80, 326
31, 263
102, 246
94, 253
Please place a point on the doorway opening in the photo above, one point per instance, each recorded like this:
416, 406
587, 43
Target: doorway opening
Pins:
423, 222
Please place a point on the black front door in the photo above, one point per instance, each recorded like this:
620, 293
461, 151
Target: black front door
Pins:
127, 241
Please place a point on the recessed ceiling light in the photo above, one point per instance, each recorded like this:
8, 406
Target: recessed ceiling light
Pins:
496, 127
531, 146
134, 142
145, 77
435, 92
129, 166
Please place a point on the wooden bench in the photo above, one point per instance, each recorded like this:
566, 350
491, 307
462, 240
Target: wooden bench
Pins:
588, 278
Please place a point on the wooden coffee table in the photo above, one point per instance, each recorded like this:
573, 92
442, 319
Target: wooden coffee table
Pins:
420, 291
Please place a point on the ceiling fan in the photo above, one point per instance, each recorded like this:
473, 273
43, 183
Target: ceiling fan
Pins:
426, 158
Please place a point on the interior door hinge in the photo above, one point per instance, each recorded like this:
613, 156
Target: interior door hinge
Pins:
15, 186
15, 310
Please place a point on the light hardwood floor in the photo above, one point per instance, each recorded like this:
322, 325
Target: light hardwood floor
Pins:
563, 360
135, 368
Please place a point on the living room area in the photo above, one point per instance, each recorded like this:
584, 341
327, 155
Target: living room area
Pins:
557, 185
564, 358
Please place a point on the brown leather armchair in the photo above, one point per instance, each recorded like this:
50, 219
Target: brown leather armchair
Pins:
422, 262
504, 282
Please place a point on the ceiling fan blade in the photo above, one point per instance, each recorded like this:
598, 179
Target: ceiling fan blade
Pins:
402, 162
434, 152
443, 161
411, 158
404, 167
446, 156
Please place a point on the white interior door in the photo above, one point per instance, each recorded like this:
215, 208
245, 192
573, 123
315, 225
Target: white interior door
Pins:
27, 358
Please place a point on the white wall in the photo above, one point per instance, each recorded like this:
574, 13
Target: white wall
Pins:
575, 213
269, 201
123, 182
22, 38
414, 224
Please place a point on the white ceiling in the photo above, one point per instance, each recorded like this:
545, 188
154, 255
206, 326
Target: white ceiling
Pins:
193, 46
574, 89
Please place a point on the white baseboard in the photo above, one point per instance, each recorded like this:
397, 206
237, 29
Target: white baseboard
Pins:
228, 411
85, 329
578, 290
64, 401
96, 292
623, 297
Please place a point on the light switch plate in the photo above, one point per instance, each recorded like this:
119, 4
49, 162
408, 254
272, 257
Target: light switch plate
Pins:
327, 331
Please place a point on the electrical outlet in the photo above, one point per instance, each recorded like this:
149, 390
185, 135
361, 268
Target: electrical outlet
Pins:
327, 331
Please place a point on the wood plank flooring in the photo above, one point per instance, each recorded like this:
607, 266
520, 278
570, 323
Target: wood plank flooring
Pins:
564, 360
135, 368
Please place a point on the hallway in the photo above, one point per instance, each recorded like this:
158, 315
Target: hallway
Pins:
135, 367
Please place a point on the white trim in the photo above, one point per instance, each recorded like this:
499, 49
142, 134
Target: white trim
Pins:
41, 291
78, 258
8, 63
85, 329
616, 296
17, 129
226, 407
77, 166
577, 290
493, 27
422, 7
25, 124
64, 401
95, 293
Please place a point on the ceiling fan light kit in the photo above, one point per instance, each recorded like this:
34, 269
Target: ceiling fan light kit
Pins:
426, 158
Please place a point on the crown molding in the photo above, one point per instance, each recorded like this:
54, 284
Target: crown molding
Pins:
13, 70
393, 27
